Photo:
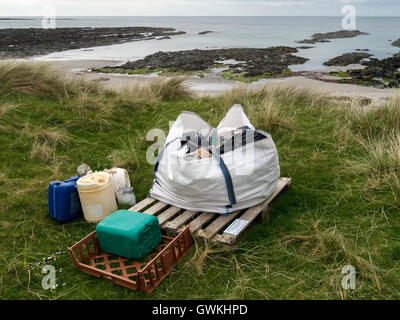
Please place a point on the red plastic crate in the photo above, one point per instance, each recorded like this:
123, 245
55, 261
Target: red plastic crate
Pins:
143, 275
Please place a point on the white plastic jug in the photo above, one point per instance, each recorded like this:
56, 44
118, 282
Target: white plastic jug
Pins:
97, 196
119, 178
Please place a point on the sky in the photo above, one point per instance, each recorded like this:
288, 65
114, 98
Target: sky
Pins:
199, 7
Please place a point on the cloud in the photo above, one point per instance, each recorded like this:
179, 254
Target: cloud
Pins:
198, 7
350, 1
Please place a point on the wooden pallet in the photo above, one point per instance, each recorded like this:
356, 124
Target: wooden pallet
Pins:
208, 225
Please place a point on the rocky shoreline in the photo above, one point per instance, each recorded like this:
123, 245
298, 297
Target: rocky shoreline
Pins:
325, 37
205, 32
347, 59
22, 43
247, 65
243, 62
382, 73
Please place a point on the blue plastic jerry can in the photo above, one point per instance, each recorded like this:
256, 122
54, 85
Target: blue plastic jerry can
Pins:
64, 203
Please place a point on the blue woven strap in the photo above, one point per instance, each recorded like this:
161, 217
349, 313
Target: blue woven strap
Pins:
227, 177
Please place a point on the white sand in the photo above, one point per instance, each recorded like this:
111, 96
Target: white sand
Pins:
212, 84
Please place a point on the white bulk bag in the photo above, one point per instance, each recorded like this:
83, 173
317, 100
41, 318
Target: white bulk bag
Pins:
242, 168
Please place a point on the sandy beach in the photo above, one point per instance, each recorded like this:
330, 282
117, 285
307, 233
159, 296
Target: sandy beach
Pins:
212, 84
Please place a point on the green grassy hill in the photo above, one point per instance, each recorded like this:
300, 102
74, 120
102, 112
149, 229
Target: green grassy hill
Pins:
342, 207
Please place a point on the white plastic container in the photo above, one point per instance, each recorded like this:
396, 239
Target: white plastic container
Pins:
119, 178
97, 196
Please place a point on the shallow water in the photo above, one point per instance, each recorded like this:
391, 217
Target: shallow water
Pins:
229, 32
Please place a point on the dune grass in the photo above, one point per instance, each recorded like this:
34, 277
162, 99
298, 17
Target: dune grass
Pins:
342, 207
376, 123
39, 79
377, 131
268, 115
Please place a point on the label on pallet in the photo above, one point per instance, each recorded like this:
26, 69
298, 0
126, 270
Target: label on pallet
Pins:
236, 227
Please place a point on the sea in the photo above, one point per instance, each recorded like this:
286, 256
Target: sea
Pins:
229, 32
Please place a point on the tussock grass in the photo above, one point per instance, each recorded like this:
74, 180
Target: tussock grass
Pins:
204, 252
243, 284
331, 247
377, 132
382, 156
269, 116
394, 182
42, 151
6, 108
41, 80
334, 250
45, 141
377, 122
136, 96
238, 94
3, 176
380, 161
51, 135
292, 96
84, 101
139, 96
271, 108
55, 168
247, 267
154, 91
170, 88
126, 157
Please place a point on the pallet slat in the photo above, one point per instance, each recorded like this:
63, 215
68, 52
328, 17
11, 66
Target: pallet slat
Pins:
250, 214
216, 225
156, 208
202, 219
142, 204
167, 214
172, 226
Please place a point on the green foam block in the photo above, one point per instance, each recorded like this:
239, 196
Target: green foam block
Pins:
129, 234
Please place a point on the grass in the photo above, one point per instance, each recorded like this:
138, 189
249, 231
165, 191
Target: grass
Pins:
39, 80
125, 157
339, 74
375, 123
168, 72
268, 115
382, 155
241, 76
342, 207
377, 131
168, 88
